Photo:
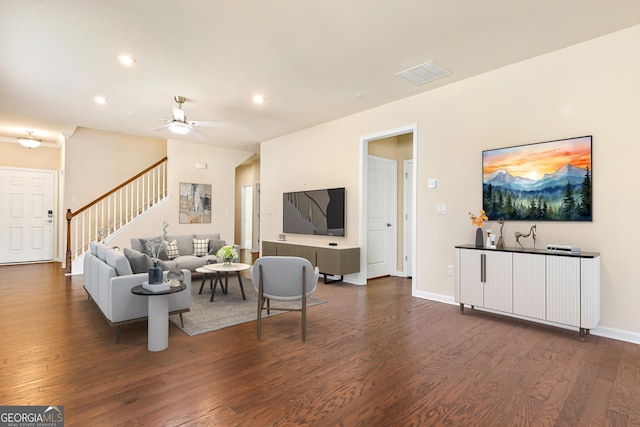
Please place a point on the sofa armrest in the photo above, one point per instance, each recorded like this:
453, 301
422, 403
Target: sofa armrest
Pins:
123, 305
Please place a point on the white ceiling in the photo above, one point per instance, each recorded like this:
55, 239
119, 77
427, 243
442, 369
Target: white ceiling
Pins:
314, 61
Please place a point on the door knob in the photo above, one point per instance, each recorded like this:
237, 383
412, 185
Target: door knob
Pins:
388, 224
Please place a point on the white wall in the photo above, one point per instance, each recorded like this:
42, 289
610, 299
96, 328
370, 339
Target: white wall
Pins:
220, 173
587, 89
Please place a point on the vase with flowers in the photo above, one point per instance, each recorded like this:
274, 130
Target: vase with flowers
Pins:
228, 253
479, 221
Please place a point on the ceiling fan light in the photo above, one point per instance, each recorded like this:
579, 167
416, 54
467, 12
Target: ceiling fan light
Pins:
29, 142
179, 128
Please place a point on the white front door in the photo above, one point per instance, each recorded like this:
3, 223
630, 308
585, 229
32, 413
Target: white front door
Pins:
27, 215
381, 214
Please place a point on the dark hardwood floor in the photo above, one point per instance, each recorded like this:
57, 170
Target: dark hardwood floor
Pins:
374, 356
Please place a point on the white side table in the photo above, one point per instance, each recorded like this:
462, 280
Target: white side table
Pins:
158, 316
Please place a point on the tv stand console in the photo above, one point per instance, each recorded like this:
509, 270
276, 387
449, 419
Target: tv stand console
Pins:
333, 260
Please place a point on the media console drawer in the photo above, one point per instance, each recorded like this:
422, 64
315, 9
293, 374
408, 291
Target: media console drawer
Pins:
333, 260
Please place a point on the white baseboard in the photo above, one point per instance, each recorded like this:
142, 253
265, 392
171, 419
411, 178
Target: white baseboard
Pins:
601, 331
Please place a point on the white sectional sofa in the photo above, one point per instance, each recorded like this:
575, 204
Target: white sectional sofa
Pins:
108, 279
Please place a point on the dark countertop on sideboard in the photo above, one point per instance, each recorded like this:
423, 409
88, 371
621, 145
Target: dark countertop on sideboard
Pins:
535, 251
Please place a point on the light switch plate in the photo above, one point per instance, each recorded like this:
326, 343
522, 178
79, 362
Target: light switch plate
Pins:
441, 209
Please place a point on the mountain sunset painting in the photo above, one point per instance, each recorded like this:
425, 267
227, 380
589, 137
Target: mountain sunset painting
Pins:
547, 181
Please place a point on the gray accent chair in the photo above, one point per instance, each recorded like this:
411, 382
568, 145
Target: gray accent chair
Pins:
284, 278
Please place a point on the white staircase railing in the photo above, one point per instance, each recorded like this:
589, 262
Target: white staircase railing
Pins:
114, 210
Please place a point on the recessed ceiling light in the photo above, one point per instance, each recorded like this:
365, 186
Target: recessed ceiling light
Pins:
101, 100
127, 60
258, 99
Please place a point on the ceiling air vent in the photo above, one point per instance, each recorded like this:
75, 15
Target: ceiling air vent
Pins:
424, 73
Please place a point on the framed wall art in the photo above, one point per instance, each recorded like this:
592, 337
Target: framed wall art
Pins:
545, 181
195, 203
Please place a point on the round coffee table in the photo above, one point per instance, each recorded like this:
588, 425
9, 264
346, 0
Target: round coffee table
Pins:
218, 268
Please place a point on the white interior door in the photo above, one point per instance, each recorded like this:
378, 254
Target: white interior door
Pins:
408, 218
247, 217
256, 217
27, 215
381, 216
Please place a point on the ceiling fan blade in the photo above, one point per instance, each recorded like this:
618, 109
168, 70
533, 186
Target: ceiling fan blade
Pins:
198, 133
207, 124
178, 114
161, 127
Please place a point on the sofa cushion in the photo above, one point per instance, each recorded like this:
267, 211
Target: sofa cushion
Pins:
200, 247
190, 262
215, 247
172, 250
101, 248
185, 242
119, 261
93, 248
139, 262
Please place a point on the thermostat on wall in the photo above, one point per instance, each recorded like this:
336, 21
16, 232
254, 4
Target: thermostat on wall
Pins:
432, 183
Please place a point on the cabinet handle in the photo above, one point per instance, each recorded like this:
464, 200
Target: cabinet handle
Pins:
483, 268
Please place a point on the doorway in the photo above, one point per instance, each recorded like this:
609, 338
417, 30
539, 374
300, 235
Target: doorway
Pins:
27, 215
247, 217
402, 219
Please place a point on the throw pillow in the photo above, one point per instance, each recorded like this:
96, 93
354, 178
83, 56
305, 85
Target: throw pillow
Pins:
172, 250
200, 247
138, 261
215, 246
162, 255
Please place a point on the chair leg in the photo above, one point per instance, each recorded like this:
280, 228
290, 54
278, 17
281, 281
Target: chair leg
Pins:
118, 334
181, 320
304, 306
260, 304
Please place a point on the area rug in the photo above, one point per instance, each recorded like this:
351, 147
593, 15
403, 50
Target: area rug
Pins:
226, 309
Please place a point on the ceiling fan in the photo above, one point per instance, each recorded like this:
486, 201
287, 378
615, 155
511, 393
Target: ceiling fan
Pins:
180, 125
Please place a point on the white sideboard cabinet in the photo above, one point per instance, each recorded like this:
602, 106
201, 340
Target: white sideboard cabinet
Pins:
561, 288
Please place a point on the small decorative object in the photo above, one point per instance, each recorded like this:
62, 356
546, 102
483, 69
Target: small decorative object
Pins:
175, 278
532, 231
500, 244
153, 249
478, 221
282, 236
155, 274
227, 253
491, 240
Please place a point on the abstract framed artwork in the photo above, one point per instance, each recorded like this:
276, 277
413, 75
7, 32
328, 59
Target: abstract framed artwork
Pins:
195, 203
545, 181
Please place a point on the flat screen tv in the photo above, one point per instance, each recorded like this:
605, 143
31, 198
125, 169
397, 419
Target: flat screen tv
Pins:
319, 212
545, 181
